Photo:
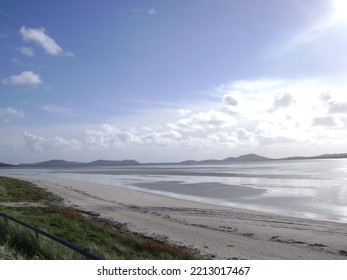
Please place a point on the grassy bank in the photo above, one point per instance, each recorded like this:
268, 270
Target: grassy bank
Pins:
35, 206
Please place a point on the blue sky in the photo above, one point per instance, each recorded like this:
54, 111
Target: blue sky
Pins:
171, 80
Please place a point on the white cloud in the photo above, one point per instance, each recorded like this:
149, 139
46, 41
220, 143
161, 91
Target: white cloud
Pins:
39, 36
164, 138
25, 78
40, 144
247, 99
235, 139
268, 133
231, 102
204, 121
229, 99
27, 51
242, 134
296, 124
9, 114
325, 96
108, 136
35, 143
334, 106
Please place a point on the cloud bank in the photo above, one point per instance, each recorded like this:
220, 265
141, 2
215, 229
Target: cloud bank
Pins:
271, 117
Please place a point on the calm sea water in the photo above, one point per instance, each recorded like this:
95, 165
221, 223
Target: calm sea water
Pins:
303, 188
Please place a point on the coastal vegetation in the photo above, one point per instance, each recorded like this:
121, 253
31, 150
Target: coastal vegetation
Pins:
37, 207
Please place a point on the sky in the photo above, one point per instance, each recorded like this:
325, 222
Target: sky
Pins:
166, 80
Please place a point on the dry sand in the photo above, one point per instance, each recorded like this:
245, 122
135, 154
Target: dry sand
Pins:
216, 232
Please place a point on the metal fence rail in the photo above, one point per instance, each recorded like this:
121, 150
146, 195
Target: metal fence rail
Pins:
38, 231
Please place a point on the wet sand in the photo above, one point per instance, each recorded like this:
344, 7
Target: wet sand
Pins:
204, 190
214, 231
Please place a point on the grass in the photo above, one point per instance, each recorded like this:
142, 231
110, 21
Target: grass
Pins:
14, 190
101, 238
20, 243
7, 253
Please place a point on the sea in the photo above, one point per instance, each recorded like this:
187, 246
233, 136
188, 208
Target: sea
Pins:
315, 189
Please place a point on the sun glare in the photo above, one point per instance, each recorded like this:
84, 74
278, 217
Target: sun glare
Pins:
340, 7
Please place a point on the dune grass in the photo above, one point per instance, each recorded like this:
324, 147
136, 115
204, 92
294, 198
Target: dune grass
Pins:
108, 241
14, 190
21, 243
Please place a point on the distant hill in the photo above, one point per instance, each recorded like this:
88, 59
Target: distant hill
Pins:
255, 157
63, 163
5, 165
331, 156
53, 162
102, 162
130, 162
248, 157
324, 156
243, 158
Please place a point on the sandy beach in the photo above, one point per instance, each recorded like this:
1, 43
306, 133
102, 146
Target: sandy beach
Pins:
214, 231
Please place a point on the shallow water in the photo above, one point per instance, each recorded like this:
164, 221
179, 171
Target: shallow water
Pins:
304, 188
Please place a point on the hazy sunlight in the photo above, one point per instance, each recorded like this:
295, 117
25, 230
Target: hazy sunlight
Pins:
340, 7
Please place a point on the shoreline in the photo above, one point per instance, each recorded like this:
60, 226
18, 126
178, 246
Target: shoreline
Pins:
216, 232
